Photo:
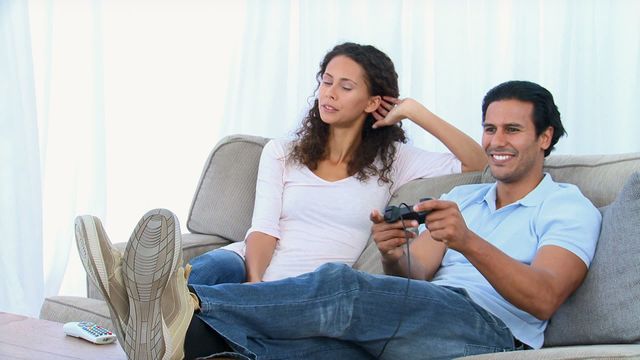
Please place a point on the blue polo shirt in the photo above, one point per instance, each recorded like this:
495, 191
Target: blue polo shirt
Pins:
552, 214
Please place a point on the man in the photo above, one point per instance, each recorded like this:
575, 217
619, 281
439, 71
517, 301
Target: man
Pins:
494, 263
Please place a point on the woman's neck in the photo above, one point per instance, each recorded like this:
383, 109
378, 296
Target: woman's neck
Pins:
342, 144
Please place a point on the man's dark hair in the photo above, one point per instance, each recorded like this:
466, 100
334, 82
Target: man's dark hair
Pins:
545, 111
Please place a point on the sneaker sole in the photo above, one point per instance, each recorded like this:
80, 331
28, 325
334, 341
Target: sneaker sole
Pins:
89, 233
151, 256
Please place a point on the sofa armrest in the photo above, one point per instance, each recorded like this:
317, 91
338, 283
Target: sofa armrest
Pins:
192, 246
197, 244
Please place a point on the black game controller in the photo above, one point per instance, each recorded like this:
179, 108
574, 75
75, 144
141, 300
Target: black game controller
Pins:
395, 213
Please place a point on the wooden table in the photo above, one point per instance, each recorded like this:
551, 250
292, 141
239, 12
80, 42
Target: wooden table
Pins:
23, 337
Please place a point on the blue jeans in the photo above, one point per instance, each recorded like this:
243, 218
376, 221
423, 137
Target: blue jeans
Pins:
341, 313
217, 267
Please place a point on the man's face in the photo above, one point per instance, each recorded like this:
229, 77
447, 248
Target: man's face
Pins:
509, 138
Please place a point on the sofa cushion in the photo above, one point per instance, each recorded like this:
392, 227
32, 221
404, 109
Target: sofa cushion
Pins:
72, 308
599, 177
605, 309
223, 202
197, 244
589, 352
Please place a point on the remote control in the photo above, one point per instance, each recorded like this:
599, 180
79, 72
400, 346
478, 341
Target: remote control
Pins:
89, 331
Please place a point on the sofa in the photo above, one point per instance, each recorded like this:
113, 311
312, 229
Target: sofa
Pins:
601, 320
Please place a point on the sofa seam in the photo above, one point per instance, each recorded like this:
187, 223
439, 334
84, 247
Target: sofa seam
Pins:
593, 165
189, 247
487, 177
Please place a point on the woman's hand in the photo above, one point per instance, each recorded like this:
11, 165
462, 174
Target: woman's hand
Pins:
392, 110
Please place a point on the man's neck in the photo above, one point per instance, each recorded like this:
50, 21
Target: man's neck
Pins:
508, 193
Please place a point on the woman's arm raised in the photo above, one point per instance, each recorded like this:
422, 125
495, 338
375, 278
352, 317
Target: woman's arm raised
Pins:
393, 110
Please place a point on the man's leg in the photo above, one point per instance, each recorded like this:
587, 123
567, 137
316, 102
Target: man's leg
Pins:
201, 340
336, 307
340, 303
103, 264
217, 267
160, 307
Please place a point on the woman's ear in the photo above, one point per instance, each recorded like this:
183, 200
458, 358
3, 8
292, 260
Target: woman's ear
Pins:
374, 104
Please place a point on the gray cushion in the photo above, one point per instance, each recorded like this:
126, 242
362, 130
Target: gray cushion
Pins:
591, 352
606, 308
223, 203
197, 244
599, 177
72, 308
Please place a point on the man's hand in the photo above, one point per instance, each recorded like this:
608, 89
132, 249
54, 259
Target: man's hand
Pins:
445, 223
390, 238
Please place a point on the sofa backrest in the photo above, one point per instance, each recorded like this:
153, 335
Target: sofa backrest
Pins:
224, 198
599, 177
223, 201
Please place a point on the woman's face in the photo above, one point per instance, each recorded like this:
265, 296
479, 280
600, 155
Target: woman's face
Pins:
343, 96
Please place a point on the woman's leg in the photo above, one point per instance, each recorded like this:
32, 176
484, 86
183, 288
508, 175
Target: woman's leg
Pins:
217, 267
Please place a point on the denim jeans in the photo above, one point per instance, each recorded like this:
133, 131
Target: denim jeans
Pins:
341, 313
217, 267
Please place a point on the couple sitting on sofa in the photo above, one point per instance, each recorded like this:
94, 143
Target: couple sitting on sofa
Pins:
492, 264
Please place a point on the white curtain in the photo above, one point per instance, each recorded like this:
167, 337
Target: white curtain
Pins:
68, 61
22, 284
129, 98
448, 55
132, 95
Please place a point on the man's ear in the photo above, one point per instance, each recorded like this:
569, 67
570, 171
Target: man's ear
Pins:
374, 104
545, 138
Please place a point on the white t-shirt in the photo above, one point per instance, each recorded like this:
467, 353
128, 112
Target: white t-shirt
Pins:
318, 221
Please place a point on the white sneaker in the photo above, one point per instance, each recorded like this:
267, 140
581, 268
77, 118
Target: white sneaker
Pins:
178, 306
160, 307
103, 264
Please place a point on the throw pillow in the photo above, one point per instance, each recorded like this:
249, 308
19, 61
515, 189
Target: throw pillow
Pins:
606, 308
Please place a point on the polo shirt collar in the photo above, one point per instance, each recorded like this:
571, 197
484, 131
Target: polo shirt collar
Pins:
534, 198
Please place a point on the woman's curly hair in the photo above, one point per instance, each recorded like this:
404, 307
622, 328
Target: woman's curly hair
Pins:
310, 144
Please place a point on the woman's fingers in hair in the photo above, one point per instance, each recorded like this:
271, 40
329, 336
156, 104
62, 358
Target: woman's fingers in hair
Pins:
380, 119
382, 111
389, 102
387, 113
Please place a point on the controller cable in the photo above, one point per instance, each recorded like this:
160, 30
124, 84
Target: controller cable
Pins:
406, 291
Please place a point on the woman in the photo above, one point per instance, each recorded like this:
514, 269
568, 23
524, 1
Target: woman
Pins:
314, 194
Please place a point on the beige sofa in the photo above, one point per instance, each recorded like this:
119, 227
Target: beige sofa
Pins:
600, 321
